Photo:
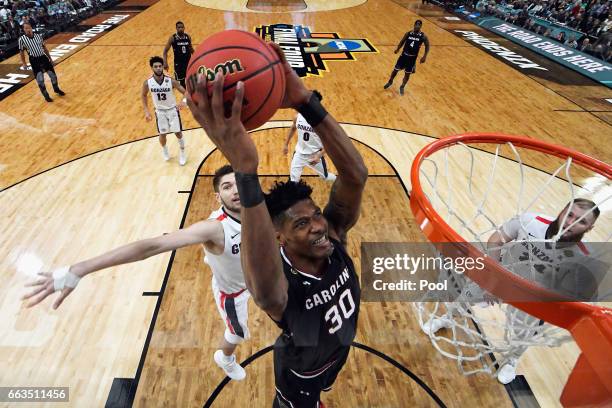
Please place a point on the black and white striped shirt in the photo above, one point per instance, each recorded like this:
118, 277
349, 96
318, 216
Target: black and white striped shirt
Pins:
33, 45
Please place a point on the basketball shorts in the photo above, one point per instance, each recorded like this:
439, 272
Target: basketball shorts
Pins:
300, 161
233, 308
406, 63
303, 389
180, 71
168, 120
41, 64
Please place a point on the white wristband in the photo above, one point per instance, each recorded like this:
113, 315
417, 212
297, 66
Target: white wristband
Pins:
185, 99
63, 278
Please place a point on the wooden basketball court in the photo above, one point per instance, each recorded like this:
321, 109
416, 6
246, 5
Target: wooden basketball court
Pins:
85, 174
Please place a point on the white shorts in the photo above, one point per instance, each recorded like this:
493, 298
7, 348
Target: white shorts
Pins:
168, 120
300, 161
233, 309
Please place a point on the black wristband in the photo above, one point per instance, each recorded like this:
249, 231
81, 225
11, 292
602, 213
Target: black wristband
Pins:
249, 189
313, 111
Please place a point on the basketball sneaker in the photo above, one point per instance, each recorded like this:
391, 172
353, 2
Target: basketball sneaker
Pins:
182, 157
232, 369
507, 373
434, 324
166, 153
401, 90
58, 91
388, 84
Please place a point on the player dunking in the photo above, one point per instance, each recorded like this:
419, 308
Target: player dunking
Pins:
167, 114
411, 41
311, 289
182, 49
308, 150
220, 236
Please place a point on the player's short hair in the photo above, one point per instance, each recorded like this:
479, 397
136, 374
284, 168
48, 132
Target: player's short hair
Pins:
419, 22
219, 173
155, 59
585, 204
283, 196
318, 94
179, 22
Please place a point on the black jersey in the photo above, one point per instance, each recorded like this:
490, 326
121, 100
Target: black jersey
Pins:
320, 319
413, 43
181, 47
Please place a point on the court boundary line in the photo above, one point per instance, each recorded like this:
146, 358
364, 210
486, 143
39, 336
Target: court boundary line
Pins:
522, 73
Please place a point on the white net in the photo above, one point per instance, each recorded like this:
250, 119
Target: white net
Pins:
514, 213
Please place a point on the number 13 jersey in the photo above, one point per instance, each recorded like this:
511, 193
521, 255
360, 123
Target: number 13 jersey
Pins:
163, 97
320, 320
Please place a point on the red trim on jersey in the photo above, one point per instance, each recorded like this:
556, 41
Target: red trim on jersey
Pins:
583, 248
544, 220
221, 217
231, 295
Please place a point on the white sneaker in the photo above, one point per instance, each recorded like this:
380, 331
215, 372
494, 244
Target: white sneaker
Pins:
166, 153
182, 157
232, 369
507, 373
434, 324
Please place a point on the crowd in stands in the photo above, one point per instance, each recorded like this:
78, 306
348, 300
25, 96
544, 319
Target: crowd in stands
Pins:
47, 17
582, 24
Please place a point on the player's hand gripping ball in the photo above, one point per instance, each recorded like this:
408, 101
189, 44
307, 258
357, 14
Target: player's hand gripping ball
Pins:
241, 56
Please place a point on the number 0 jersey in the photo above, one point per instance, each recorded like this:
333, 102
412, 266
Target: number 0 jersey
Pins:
163, 97
320, 320
308, 141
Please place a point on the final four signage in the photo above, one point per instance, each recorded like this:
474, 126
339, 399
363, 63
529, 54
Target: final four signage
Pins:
307, 52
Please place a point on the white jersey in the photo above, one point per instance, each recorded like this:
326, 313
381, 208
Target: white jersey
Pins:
163, 97
226, 268
308, 142
562, 267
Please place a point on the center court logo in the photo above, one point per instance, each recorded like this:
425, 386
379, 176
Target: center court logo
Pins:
307, 52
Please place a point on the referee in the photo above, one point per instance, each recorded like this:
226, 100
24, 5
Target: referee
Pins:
40, 60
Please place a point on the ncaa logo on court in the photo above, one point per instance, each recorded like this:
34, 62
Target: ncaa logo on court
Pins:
308, 52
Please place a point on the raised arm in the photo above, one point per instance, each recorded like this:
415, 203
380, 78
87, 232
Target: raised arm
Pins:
165, 55
261, 262
209, 231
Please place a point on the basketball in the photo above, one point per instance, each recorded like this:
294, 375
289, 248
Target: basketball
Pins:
241, 56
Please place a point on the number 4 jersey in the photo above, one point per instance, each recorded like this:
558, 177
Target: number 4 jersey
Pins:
320, 319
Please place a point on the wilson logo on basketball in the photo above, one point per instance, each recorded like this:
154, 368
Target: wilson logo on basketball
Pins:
227, 68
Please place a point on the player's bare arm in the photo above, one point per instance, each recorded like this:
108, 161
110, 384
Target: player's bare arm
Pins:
165, 54
209, 232
145, 102
261, 266
426, 42
289, 136
403, 40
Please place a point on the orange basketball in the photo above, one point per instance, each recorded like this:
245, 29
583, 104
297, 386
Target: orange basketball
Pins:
241, 56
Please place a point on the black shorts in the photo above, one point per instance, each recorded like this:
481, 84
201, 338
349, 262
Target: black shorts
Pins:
303, 390
180, 70
41, 64
407, 63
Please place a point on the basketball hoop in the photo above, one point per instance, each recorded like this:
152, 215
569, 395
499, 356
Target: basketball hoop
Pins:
590, 383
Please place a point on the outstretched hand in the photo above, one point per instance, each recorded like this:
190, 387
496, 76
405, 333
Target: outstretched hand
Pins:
226, 131
44, 287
